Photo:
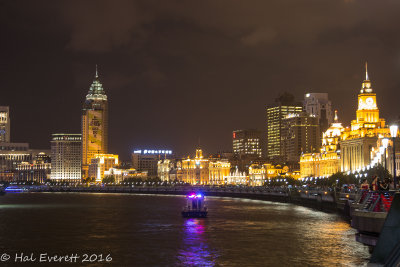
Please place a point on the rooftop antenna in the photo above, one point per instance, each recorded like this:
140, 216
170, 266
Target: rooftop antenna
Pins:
366, 71
97, 74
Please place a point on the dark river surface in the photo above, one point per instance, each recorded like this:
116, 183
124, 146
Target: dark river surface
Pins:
148, 230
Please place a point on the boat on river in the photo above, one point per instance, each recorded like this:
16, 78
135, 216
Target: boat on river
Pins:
195, 207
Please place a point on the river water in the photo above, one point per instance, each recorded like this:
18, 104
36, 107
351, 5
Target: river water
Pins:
147, 230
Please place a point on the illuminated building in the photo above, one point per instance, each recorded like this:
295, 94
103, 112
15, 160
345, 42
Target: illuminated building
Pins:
121, 175
300, 134
358, 141
4, 124
94, 124
218, 171
319, 106
101, 163
147, 159
203, 171
275, 117
167, 170
37, 171
237, 178
12, 154
259, 173
327, 162
247, 143
66, 157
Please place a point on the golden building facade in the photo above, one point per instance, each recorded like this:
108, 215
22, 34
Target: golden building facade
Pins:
100, 163
200, 171
94, 124
327, 162
358, 141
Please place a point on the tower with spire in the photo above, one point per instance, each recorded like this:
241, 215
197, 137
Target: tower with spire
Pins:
94, 124
367, 112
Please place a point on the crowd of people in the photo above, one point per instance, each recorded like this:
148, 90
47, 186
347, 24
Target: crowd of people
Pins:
377, 184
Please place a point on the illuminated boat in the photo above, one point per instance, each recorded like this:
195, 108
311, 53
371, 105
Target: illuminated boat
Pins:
195, 207
15, 189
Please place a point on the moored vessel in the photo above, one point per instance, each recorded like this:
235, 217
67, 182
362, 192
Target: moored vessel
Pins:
195, 207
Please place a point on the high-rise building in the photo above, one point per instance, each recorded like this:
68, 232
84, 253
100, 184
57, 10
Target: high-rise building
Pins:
94, 124
275, 115
247, 143
4, 124
357, 142
66, 160
147, 160
319, 105
300, 134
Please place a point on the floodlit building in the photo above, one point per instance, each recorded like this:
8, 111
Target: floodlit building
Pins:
94, 124
101, 163
327, 161
358, 141
319, 106
66, 157
237, 178
122, 175
147, 159
37, 171
199, 170
259, 173
4, 124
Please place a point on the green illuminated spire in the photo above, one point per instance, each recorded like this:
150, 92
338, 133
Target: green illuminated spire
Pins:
96, 91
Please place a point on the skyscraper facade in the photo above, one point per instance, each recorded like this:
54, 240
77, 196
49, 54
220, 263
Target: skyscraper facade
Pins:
94, 124
247, 143
4, 124
66, 157
319, 105
275, 116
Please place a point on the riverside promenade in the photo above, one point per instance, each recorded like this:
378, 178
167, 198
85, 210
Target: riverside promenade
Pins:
321, 199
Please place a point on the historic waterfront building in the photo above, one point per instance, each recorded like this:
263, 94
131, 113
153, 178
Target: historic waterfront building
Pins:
199, 170
94, 124
4, 124
147, 160
66, 157
357, 142
319, 106
327, 162
101, 163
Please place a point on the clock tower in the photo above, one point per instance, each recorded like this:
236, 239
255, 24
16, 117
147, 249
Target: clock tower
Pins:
367, 111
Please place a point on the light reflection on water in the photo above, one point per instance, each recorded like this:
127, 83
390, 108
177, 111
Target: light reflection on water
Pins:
195, 250
143, 230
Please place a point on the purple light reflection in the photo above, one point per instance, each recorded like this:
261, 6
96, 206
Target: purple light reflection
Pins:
195, 251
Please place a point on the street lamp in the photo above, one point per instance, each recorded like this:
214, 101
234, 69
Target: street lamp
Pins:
393, 134
385, 143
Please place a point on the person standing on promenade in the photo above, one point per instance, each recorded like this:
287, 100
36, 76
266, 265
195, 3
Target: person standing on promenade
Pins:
374, 184
364, 185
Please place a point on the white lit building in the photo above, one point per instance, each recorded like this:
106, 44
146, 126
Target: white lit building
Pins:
66, 157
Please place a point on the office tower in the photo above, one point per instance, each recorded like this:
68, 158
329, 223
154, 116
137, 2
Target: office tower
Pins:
247, 143
319, 105
285, 106
94, 124
66, 157
300, 134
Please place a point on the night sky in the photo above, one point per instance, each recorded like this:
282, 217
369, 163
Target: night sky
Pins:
177, 71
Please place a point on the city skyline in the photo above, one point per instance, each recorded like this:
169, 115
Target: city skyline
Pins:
182, 89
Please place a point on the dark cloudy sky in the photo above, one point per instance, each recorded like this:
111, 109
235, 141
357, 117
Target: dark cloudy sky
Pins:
176, 71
